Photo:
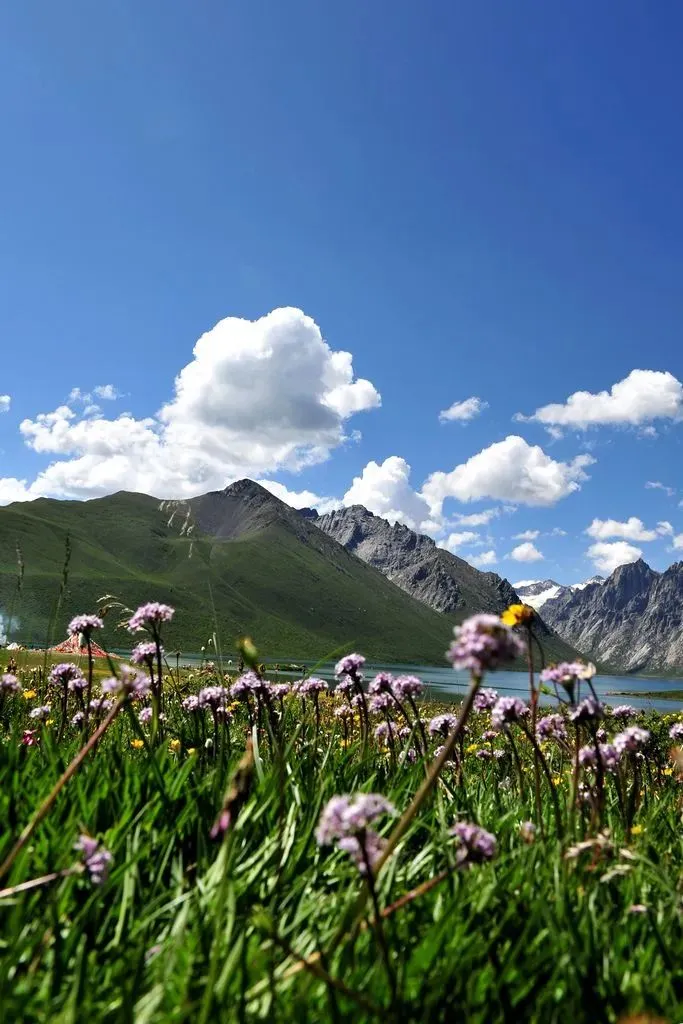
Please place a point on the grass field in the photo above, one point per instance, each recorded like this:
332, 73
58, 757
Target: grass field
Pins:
220, 903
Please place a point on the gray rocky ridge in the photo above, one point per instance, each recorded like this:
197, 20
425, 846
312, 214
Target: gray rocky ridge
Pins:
632, 622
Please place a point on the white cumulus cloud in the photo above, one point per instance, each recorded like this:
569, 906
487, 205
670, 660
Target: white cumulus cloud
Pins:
657, 485
482, 560
459, 540
5, 402
462, 412
526, 552
384, 488
606, 557
632, 529
257, 396
642, 396
509, 470
477, 518
300, 499
527, 535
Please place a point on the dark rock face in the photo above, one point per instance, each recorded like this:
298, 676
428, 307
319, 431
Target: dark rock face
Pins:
633, 621
414, 562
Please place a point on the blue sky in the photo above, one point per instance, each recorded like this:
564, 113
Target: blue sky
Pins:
476, 200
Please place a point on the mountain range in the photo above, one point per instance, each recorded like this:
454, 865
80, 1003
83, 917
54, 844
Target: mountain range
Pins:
240, 561
633, 621
537, 592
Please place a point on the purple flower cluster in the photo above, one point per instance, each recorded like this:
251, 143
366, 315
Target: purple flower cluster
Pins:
609, 756
350, 665
442, 725
386, 731
246, 685
343, 712
407, 687
567, 674
145, 653
145, 715
150, 616
380, 702
485, 699
475, 844
588, 710
9, 683
345, 820
507, 710
130, 683
66, 673
676, 731
280, 690
631, 740
551, 727
84, 624
96, 858
213, 697
191, 703
41, 713
382, 683
311, 687
483, 643
622, 712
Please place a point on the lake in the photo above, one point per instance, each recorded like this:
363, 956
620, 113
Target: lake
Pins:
445, 684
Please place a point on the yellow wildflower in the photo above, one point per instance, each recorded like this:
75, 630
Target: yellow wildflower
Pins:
49, 721
191, 751
517, 614
637, 830
174, 746
29, 694
472, 747
668, 771
137, 744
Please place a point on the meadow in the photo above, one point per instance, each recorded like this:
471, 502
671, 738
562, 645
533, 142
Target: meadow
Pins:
210, 846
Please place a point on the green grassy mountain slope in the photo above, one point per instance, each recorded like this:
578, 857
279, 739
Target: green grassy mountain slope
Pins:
242, 552
235, 561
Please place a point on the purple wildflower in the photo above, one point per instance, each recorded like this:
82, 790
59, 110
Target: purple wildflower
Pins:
41, 713
408, 756
212, 697
77, 720
385, 731
343, 712
484, 754
85, 624
631, 740
485, 699
506, 710
150, 616
96, 858
9, 683
380, 702
382, 683
191, 703
676, 731
280, 690
609, 756
145, 715
489, 735
551, 727
345, 820
623, 712
64, 674
244, 686
407, 687
483, 643
145, 653
588, 710
442, 725
129, 683
475, 844
345, 686
567, 674
350, 665
312, 687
